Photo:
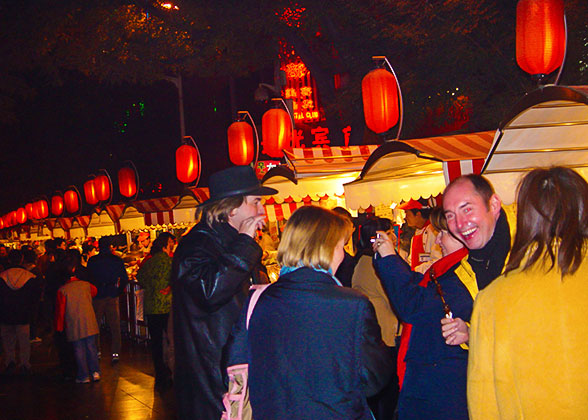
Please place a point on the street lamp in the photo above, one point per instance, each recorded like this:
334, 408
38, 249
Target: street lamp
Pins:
177, 81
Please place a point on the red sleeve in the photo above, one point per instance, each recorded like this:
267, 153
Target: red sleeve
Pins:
60, 311
93, 290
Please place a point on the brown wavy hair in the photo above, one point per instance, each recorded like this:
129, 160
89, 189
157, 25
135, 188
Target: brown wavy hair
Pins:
219, 211
552, 220
438, 219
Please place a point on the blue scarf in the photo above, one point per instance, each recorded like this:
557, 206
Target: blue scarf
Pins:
286, 269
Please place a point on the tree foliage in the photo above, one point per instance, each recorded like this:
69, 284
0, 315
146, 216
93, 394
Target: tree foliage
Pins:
440, 49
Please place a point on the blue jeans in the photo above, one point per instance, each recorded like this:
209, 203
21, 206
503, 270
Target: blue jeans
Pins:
86, 356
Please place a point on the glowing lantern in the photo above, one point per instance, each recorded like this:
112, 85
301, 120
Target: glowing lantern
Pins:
541, 35
380, 100
41, 209
2, 223
240, 135
72, 201
102, 187
276, 129
187, 163
29, 208
127, 182
21, 215
90, 192
56, 205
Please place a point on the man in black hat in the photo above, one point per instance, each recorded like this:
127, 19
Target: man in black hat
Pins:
213, 267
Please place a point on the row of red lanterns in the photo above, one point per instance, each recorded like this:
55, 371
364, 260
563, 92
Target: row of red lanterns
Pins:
97, 189
540, 40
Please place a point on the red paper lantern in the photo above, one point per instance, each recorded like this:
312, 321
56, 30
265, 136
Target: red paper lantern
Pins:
187, 163
102, 186
380, 100
2, 223
41, 209
240, 135
29, 208
90, 192
72, 201
541, 35
276, 129
21, 215
127, 182
56, 205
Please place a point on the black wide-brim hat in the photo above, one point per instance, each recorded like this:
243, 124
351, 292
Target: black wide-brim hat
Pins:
234, 181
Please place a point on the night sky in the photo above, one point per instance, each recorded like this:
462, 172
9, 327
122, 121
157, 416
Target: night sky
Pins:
66, 133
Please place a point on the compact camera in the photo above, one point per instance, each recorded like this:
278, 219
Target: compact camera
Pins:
373, 238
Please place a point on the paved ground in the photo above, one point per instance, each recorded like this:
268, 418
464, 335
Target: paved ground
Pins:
124, 392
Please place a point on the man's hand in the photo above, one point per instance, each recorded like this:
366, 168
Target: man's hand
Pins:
383, 244
250, 225
455, 331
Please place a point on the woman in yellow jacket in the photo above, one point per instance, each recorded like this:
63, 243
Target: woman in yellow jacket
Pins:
529, 331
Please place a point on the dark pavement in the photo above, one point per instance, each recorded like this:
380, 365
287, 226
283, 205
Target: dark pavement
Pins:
124, 392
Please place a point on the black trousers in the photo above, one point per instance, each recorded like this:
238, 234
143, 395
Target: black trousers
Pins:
157, 325
383, 404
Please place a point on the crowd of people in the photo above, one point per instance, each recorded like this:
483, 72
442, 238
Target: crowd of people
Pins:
312, 348
478, 316
63, 295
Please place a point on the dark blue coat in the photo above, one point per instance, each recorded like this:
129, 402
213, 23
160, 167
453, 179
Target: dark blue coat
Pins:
435, 380
314, 350
109, 274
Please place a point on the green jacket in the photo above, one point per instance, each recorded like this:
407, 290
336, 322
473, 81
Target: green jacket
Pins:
153, 276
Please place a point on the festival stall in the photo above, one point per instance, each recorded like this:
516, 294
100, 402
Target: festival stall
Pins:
547, 127
400, 170
313, 176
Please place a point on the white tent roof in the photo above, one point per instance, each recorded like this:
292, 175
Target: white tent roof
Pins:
547, 127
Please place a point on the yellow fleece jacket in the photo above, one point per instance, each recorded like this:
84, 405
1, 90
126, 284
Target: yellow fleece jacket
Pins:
528, 354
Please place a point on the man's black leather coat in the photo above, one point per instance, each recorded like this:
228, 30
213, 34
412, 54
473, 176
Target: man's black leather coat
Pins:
212, 271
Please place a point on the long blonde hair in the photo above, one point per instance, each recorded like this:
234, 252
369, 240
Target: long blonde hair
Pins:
310, 237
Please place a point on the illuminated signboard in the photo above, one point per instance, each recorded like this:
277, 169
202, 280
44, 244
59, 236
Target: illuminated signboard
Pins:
309, 117
301, 88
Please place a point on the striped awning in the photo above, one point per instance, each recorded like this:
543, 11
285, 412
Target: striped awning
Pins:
314, 161
282, 210
457, 147
276, 211
159, 218
396, 173
156, 204
201, 194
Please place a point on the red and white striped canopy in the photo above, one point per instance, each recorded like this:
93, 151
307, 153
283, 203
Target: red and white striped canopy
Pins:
393, 175
159, 218
313, 161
